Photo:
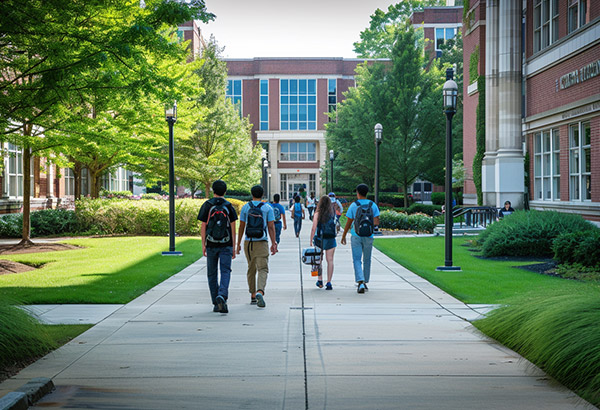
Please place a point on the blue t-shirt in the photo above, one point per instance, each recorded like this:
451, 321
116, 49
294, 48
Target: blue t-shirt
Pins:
267, 215
281, 211
297, 210
351, 212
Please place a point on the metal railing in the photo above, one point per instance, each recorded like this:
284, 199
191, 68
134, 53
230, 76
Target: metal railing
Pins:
476, 216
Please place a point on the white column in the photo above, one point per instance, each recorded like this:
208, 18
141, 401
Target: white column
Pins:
50, 180
509, 172
5, 193
488, 177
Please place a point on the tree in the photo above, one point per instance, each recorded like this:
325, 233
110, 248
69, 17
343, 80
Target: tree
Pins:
405, 100
57, 55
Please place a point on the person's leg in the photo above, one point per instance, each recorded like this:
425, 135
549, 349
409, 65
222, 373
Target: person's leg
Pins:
262, 264
297, 224
278, 227
251, 273
329, 255
367, 250
212, 259
225, 255
356, 258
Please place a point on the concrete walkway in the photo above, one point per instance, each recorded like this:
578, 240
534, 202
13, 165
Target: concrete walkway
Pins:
404, 344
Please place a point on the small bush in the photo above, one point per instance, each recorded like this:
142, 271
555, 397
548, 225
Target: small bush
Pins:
424, 209
53, 222
115, 194
438, 198
529, 233
558, 332
11, 226
578, 271
152, 195
578, 247
402, 221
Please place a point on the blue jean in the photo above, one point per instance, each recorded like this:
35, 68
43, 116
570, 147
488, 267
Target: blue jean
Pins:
278, 226
297, 224
362, 246
216, 257
311, 211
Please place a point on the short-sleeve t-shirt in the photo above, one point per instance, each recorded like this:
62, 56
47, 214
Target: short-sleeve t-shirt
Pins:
267, 215
203, 217
351, 212
296, 210
281, 211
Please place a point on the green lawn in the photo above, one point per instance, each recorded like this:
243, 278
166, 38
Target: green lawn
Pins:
481, 280
105, 270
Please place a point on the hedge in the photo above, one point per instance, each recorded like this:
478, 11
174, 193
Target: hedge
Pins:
424, 209
529, 233
43, 223
578, 247
402, 221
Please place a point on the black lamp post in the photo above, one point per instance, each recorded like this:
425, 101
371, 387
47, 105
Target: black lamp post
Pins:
171, 118
450, 97
265, 164
378, 139
331, 158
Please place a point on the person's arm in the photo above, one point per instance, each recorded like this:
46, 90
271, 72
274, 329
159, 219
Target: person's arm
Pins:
203, 235
271, 226
346, 229
302, 207
313, 229
240, 235
284, 221
233, 239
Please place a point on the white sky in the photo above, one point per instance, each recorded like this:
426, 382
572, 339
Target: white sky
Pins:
290, 28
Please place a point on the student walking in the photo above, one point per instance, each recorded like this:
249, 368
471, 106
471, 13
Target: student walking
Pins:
256, 218
322, 235
363, 216
279, 214
298, 215
218, 218
311, 205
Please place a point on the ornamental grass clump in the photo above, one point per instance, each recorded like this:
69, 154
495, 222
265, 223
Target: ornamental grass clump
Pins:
559, 332
529, 233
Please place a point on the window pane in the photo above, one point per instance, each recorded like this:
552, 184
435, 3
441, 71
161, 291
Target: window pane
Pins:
312, 147
312, 87
449, 33
574, 136
546, 165
557, 164
587, 133
264, 87
293, 87
331, 88
546, 141
264, 99
537, 193
302, 86
284, 87
538, 143
537, 167
556, 188
555, 140
587, 186
574, 162
587, 158
312, 125
237, 87
574, 188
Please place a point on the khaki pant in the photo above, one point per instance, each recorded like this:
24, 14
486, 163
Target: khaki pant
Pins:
257, 255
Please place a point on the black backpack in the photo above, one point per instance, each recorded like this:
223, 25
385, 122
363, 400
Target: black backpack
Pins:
218, 224
256, 226
328, 229
363, 221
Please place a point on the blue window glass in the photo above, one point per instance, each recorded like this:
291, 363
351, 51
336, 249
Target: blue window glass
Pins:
264, 111
332, 86
312, 125
264, 126
301, 104
302, 86
234, 93
294, 99
302, 100
302, 126
264, 104
294, 126
284, 113
293, 87
312, 114
237, 87
449, 33
312, 87
284, 126
312, 99
264, 86
284, 87
293, 113
302, 113
264, 100
285, 100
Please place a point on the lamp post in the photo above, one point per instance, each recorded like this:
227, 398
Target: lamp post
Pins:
450, 97
378, 138
331, 158
171, 118
265, 163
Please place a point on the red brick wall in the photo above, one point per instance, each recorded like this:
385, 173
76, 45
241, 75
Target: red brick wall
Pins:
251, 103
322, 103
543, 89
288, 66
274, 104
595, 130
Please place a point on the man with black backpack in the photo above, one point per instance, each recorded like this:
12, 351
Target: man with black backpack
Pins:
363, 216
256, 219
218, 218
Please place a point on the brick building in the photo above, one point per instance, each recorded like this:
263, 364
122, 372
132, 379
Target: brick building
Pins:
287, 101
541, 60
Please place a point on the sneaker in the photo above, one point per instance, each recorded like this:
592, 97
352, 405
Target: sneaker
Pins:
253, 301
260, 300
328, 286
319, 283
221, 304
366, 287
361, 288
216, 309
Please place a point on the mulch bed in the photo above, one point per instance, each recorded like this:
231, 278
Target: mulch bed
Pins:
9, 267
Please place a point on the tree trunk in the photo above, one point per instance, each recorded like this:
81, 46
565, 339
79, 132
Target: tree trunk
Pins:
26, 237
207, 190
96, 183
405, 189
77, 178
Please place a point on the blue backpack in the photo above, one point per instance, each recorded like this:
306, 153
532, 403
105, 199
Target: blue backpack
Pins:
297, 209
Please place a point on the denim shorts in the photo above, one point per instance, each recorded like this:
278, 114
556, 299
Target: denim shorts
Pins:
328, 243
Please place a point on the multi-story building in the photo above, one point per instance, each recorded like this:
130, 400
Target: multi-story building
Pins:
541, 61
287, 101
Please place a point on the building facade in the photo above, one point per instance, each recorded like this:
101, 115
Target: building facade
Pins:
541, 60
288, 100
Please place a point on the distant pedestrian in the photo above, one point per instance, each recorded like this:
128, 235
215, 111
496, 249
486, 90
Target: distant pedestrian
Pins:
507, 210
256, 219
218, 218
279, 214
311, 205
297, 211
362, 217
322, 235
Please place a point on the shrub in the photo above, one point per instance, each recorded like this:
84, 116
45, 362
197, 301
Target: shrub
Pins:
115, 194
402, 221
424, 209
578, 247
578, 271
11, 226
152, 195
529, 233
53, 222
438, 198
558, 332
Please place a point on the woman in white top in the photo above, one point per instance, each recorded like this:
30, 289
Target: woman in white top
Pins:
310, 205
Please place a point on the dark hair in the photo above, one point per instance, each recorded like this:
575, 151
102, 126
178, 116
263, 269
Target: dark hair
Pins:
362, 189
276, 198
508, 202
219, 187
297, 198
257, 191
324, 209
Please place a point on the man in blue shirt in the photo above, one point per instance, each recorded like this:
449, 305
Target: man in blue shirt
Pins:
362, 246
279, 213
256, 245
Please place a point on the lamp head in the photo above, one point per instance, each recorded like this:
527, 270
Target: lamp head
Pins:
171, 112
450, 92
378, 132
331, 155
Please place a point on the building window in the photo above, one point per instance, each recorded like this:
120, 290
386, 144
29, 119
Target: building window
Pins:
298, 151
312, 183
332, 98
15, 171
284, 192
580, 164
69, 181
547, 165
577, 15
264, 105
85, 186
545, 23
116, 181
442, 35
234, 93
298, 104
